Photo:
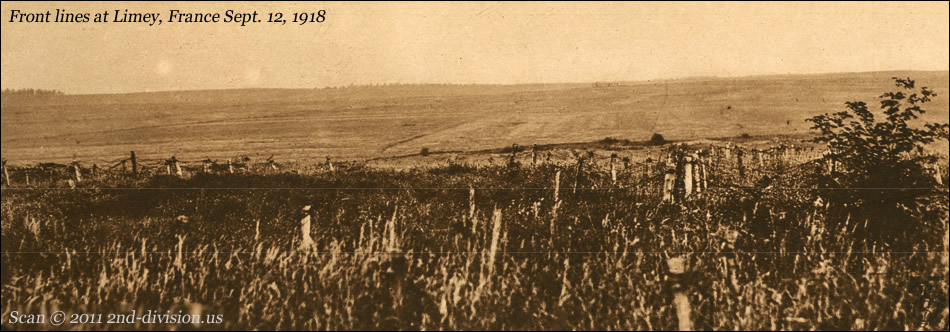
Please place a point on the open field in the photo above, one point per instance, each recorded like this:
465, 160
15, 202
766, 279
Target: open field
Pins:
367, 122
554, 245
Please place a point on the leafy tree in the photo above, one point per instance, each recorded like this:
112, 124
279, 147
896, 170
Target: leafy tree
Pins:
881, 162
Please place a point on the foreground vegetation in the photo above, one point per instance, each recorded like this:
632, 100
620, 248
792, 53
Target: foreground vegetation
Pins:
597, 261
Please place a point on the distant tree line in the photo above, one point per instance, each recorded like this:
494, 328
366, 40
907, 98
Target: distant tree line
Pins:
31, 92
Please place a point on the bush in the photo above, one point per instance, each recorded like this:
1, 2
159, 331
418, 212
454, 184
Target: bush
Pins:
424, 152
610, 140
657, 139
513, 148
880, 161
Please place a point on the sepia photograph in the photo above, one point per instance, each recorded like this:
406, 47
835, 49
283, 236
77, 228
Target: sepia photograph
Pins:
391, 166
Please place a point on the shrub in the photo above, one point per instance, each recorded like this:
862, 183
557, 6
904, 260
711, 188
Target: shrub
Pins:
880, 161
609, 140
657, 139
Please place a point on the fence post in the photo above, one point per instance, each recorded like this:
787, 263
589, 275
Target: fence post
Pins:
6, 175
557, 204
306, 242
698, 172
513, 155
580, 165
705, 175
936, 168
613, 170
135, 165
677, 267
77, 171
177, 166
688, 176
669, 182
739, 163
534, 154
946, 245
230, 167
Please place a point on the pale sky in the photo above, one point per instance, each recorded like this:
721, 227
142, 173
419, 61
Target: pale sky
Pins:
493, 43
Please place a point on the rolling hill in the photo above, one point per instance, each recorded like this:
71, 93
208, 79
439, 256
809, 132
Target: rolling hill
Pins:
379, 121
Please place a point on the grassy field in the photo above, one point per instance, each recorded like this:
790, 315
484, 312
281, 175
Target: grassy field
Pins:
368, 122
463, 247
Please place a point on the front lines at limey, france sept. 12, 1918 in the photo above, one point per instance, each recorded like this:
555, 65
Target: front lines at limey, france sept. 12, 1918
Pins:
174, 16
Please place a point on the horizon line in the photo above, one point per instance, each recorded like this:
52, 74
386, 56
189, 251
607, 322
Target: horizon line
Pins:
373, 85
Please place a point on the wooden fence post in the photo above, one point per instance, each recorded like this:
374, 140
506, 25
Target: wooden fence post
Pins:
306, 242
613, 169
135, 165
936, 169
669, 183
697, 173
513, 155
688, 176
534, 154
580, 165
557, 204
705, 175
739, 163
946, 245
6, 175
678, 269
77, 171
177, 166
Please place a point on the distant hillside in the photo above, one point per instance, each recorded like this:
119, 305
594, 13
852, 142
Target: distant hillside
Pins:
365, 122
